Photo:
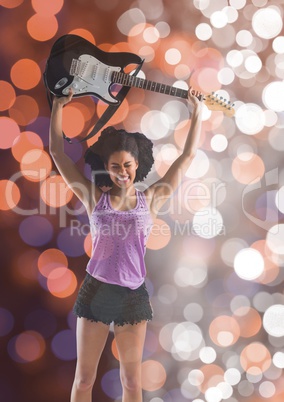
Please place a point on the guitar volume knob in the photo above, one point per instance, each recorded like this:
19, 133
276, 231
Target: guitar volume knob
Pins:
75, 85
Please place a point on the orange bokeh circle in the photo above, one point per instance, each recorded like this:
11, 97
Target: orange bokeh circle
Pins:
118, 117
224, 331
114, 349
25, 110
9, 130
11, 3
10, 95
160, 235
73, 121
86, 106
88, 244
10, 195
51, 259
61, 282
36, 165
248, 169
120, 47
207, 80
105, 46
30, 345
213, 375
84, 33
255, 358
49, 7
25, 74
55, 192
25, 142
153, 375
180, 43
249, 321
42, 27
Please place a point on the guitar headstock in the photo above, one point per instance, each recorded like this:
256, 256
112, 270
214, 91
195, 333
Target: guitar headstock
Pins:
218, 103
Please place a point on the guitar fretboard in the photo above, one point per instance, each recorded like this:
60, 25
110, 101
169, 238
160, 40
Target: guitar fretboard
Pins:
132, 81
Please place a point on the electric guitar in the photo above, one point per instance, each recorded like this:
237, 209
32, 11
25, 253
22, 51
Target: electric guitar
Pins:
78, 64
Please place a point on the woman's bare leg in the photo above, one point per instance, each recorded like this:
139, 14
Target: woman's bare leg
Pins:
91, 340
130, 343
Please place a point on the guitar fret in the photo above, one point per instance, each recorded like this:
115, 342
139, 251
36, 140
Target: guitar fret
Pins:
132, 81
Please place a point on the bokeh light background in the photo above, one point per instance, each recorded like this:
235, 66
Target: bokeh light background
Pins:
215, 257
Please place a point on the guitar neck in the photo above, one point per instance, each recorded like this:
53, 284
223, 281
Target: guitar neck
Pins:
212, 101
132, 81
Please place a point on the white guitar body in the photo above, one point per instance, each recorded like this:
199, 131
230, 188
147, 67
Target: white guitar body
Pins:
91, 76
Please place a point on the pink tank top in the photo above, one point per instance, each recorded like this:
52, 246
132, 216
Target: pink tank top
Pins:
119, 242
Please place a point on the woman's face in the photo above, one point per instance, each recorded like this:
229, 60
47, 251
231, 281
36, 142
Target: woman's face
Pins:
122, 168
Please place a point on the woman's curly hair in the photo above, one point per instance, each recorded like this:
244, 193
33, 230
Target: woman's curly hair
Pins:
112, 140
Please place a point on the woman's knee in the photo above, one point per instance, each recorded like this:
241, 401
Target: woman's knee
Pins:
131, 381
84, 383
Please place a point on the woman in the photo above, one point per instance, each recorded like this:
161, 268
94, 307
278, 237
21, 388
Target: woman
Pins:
120, 220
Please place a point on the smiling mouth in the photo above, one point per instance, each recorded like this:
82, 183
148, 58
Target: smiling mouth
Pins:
123, 179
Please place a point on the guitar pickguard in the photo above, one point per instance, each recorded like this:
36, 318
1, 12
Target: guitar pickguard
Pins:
92, 76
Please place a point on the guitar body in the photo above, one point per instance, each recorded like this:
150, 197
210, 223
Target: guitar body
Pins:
78, 64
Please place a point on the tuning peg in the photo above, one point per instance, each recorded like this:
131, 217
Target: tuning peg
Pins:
230, 106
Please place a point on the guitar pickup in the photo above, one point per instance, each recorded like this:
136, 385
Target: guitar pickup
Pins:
75, 67
107, 74
95, 71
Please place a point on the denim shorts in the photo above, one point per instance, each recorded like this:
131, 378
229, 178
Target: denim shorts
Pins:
103, 302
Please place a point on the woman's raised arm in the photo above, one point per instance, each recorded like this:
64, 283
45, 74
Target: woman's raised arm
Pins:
163, 189
79, 184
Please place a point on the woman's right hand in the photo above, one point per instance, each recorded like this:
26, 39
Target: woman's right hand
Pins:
63, 100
